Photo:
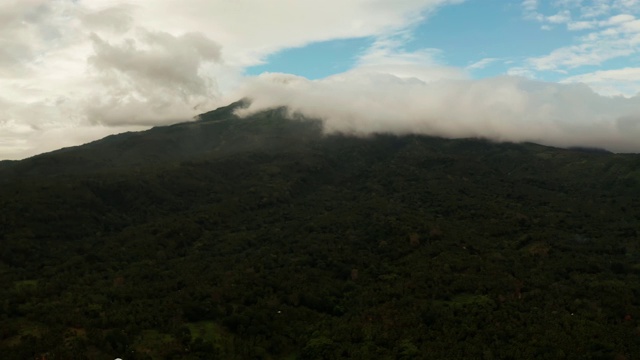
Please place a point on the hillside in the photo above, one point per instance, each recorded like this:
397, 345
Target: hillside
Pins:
263, 238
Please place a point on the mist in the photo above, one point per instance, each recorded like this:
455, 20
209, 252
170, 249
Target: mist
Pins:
507, 108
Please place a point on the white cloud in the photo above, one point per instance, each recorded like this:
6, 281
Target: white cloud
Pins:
521, 72
482, 63
581, 25
248, 30
116, 19
610, 28
72, 64
570, 57
504, 108
624, 81
151, 78
619, 19
560, 18
532, 12
530, 5
387, 56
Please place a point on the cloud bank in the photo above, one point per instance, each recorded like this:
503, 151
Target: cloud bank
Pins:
503, 108
73, 71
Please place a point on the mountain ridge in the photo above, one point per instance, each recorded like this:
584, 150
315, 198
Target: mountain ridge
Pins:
186, 140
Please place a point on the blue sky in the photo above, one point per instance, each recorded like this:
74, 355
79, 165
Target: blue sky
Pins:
560, 72
505, 34
465, 33
316, 60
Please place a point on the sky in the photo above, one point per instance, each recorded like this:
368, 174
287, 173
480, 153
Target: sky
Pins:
556, 72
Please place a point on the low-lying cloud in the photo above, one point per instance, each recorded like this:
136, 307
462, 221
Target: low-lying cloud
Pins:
504, 108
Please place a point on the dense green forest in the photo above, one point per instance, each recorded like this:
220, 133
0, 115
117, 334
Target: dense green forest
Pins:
263, 238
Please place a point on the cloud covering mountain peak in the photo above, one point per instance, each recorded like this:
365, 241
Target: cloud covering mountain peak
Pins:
503, 108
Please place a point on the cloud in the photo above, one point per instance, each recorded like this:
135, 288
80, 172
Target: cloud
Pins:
387, 56
157, 59
594, 52
580, 25
504, 108
530, 5
481, 64
560, 18
624, 81
531, 12
610, 31
75, 70
115, 19
521, 72
151, 78
67, 65
27, 30
249, 30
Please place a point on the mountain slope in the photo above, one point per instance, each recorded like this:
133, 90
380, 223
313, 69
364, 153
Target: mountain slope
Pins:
263, 238
215, 134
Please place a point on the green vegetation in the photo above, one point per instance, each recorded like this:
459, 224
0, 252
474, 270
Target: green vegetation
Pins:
261, 238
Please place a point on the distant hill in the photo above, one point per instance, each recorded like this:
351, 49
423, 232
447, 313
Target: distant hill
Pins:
263, 237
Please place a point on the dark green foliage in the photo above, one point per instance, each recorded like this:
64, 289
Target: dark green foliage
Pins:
261, 238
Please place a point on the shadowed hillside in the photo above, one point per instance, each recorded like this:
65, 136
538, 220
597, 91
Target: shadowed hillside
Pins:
263, 238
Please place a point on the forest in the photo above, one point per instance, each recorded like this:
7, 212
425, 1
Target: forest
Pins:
264, 238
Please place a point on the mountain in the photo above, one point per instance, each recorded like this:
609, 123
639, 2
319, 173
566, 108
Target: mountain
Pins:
263, 237
215, 134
